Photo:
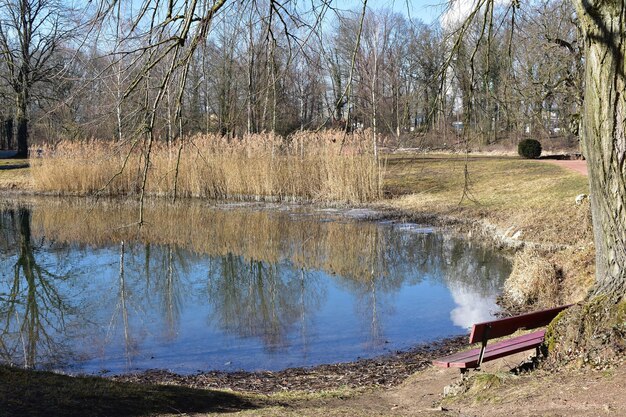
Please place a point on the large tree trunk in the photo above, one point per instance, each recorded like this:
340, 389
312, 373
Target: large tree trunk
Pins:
603, 26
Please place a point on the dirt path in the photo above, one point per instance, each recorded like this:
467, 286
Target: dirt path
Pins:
579, 166
540, 393
567, 393
422, 393
493, 391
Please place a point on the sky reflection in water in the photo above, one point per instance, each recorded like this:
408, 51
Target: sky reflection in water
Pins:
205, 288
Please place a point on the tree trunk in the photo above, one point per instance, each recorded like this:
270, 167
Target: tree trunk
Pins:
21, 121
8, 133
603, 25
374, 107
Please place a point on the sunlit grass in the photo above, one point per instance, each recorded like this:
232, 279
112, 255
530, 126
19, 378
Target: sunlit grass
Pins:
12, 162
15, 174
532, 196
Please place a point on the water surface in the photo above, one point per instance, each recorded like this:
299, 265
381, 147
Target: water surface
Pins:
199, 287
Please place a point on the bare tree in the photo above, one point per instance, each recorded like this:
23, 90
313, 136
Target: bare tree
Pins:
31, 32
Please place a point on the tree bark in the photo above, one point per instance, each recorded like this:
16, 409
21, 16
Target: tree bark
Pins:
603, 26
21, 121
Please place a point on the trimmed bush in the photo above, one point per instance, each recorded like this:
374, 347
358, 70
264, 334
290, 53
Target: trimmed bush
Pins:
529, 148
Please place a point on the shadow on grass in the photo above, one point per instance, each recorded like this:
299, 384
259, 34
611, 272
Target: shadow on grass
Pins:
7, 167
30, 393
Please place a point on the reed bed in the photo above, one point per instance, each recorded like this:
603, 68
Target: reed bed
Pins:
322, 167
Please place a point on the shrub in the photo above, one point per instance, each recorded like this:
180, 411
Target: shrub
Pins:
529, 148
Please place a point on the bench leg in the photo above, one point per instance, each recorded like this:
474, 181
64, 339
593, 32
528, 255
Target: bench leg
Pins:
541, 351
465, 373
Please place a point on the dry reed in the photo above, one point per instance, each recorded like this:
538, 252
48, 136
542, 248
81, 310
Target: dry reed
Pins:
534, 280
324, 167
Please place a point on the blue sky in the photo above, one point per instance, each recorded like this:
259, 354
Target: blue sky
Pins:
426, 10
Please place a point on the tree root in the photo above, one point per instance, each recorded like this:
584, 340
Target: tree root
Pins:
592, 333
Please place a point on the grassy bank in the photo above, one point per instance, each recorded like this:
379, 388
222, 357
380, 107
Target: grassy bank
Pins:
518, 201
322, 167
529, 196
15, 175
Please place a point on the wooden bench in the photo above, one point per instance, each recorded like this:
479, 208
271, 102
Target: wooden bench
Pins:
482, 332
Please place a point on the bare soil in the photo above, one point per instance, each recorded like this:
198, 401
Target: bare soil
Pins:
493, 392
564, 393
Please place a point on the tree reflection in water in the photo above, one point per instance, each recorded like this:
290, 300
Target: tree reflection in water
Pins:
278, 285
258, 299
32, 308
140, 280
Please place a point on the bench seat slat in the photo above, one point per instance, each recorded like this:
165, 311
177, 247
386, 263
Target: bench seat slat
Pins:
469, 359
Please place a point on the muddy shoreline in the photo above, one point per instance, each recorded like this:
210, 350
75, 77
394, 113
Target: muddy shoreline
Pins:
380, 372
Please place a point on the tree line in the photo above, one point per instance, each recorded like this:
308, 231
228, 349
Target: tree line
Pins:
120, 70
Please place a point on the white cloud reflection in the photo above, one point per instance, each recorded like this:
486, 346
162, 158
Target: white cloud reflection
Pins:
472, 307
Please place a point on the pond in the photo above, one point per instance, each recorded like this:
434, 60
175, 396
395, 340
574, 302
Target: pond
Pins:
83, 289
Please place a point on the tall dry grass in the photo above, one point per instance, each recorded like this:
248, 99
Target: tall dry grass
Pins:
325, 166
534, 280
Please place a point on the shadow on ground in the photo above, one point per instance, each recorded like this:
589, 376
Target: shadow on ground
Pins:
13, 166
30, 393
